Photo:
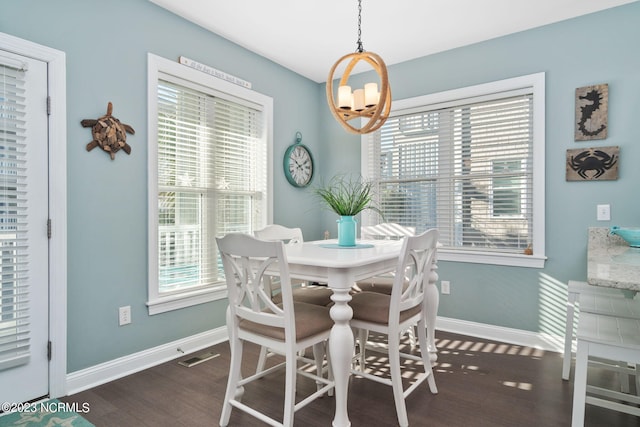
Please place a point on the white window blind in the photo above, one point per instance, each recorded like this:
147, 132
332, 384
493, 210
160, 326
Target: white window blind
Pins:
14, 292
465, 166
212, 180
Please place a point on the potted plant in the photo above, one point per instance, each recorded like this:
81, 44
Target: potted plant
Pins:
347, 196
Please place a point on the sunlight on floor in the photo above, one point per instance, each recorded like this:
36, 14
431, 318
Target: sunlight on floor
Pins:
377, 361
470, 348
521, 386
458, 347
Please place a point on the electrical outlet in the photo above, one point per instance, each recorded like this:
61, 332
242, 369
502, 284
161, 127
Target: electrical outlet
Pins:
124, 315
445, 287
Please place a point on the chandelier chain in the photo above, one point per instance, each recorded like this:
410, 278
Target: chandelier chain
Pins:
359, 48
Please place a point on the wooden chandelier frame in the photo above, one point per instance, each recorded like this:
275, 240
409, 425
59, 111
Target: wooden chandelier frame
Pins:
378, 113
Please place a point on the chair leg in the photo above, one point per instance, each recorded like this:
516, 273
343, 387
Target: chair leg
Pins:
318, 355
411, 331
568, 334
396, 379
625, 379
363, 337
355, 357
290, 387
262, 359
232, 384
580, 384
426, 361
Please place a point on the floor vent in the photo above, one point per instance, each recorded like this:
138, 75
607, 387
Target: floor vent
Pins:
192, 361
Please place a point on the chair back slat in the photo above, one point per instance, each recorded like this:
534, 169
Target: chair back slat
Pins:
246, 261
412, 272
386, 231
279, 232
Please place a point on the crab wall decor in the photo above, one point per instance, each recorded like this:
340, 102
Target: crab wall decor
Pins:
593, 164
108, 133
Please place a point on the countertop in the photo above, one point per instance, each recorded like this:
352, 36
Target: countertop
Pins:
611, 261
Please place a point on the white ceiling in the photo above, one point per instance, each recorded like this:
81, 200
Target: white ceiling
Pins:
309, 36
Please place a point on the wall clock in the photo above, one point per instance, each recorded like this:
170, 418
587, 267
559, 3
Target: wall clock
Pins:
298, 163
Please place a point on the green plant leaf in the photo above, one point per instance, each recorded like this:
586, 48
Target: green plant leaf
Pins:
347, 195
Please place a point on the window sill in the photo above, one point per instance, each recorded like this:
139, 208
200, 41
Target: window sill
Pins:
512, 260
185, 299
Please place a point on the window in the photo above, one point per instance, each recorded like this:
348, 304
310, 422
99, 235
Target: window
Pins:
469, 162
15, 328
507, 191
209, 172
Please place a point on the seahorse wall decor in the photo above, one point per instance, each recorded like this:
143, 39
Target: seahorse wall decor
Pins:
592, 105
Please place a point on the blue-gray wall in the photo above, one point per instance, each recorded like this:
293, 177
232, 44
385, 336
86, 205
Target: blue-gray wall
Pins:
593, 49
106, 45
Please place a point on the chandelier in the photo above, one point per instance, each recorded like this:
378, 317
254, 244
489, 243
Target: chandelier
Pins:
362, 103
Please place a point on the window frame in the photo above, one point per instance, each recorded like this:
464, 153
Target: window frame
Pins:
534, 82
157, 67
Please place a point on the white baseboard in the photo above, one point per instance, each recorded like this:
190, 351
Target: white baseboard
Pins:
100, 374
108, 371
538, 340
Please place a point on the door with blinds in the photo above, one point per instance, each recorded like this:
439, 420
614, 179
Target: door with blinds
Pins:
24, 285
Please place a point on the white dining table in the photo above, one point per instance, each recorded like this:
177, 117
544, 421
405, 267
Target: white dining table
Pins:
340, 267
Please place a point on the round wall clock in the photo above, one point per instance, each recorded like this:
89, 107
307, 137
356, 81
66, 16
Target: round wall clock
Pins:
298, 163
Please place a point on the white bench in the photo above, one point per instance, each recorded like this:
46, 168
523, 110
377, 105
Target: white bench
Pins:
607, 337
596, 300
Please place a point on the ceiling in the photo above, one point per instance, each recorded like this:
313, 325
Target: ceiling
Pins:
309, 36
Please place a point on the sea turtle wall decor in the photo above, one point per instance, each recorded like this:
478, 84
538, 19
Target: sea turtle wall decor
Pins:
108, 133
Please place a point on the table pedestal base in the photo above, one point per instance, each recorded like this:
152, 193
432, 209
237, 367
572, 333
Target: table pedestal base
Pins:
341, 347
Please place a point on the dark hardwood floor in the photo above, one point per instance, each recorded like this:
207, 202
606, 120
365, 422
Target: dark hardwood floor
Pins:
480, 383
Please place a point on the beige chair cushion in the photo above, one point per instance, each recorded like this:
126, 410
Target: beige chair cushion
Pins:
374, 307
379, 284
310, 320
316, 295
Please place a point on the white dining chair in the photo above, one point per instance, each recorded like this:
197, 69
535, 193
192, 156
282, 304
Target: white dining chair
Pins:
301, 290
384, 283
384, 231
585, 298
392, 314
252, 316
609, 338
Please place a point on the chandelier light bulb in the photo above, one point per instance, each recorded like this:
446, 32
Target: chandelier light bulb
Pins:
371, 94
358, 99
344, 97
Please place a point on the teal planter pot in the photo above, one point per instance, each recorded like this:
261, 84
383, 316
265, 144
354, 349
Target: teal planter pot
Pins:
347, 230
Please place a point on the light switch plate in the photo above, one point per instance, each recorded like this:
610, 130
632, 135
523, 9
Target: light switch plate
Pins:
604, 213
